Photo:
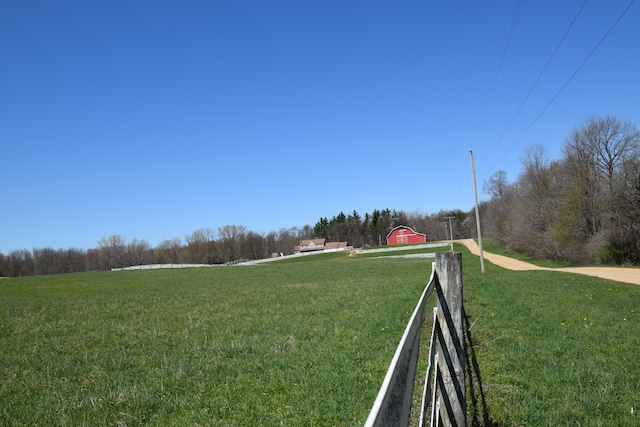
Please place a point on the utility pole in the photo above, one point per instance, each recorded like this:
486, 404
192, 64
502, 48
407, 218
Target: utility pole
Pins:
450, 230
475, 193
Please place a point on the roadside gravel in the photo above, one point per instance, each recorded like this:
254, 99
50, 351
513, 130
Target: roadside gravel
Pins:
618, 274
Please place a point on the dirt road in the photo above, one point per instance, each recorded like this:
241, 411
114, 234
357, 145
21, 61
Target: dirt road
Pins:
619, 274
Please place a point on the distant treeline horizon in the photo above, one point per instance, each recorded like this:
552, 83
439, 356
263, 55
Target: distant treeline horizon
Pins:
583, 208
229, 243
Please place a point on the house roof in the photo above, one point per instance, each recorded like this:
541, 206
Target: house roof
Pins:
318, 245
335, 245
313, 242
299, 248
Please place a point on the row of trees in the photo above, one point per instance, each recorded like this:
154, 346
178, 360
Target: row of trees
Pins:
583, 208
226, 244
203, 246
372, 229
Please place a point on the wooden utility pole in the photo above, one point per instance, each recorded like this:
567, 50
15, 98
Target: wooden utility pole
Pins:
451, 231
475, 193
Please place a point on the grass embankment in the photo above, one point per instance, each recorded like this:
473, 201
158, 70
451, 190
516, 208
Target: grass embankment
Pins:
553, 348
296, 342
501, 250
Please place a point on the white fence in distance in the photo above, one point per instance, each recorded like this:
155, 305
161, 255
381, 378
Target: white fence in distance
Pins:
157, 266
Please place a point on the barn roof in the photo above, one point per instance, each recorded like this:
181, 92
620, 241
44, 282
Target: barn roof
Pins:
406, 228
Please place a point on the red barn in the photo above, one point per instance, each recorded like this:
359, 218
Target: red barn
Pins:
403, 234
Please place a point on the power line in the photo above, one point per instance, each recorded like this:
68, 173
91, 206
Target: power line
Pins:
495, 78
564, 85
544, 69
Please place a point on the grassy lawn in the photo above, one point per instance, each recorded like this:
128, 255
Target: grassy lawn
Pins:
306, 341
501, 250
404, 252
298, 342
553, 348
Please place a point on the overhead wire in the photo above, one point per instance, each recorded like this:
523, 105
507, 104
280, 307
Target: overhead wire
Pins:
563, 86
495, 78
535, 83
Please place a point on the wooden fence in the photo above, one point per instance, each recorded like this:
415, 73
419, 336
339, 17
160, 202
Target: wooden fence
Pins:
444, 396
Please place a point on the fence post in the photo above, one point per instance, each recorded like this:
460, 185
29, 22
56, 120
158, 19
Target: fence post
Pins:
451, 344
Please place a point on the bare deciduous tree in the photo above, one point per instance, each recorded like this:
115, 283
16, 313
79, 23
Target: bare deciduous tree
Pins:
495, 213
497, 184
608, 142
231, 237
112, 252
138, 252
19, 263
168, 252
46, 261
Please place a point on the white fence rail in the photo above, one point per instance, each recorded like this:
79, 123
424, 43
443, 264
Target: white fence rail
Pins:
157, 266
444, 389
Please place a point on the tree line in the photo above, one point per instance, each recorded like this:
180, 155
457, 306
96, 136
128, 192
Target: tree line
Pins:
583, 208
372, 228
230, 243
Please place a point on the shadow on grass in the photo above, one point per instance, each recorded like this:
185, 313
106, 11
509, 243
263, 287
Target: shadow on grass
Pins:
476, 400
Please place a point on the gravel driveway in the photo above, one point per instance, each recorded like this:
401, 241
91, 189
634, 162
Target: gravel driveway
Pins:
618, 274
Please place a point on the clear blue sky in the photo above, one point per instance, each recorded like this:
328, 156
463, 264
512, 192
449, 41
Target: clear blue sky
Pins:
151, 119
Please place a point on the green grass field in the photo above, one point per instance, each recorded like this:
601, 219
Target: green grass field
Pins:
305, 342
553, 348
302, 342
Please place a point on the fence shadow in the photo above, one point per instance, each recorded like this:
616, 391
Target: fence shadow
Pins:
476, 401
